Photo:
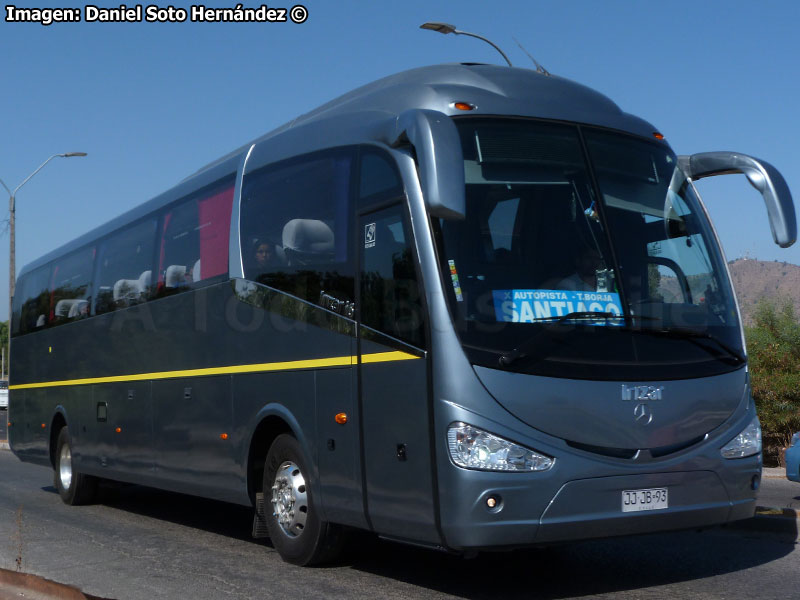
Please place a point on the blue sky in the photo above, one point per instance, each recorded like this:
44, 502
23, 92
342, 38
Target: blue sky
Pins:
153, 102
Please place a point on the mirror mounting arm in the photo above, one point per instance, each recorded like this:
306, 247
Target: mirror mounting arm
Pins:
440, 161
762, 176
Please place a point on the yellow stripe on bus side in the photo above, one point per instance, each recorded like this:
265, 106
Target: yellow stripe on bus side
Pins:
336, 361
386, 357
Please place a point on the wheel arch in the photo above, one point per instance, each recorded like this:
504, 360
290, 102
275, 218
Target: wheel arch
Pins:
272, 421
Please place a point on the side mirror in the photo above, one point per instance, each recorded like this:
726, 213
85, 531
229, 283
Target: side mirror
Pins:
439, 159
761, 175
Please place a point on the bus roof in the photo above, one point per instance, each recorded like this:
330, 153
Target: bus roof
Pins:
492, 89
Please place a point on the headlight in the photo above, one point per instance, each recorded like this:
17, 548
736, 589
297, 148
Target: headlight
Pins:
473, 448
747, 443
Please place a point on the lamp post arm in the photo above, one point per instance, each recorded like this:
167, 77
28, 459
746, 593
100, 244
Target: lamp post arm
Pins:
28, 178
490, 42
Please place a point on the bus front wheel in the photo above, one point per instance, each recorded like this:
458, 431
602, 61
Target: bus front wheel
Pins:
296, 531
74, 488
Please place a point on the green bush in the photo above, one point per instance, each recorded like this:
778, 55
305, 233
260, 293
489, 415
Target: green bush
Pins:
773, 345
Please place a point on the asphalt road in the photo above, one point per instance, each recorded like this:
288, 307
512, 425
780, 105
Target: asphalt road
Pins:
140, 543
777, 491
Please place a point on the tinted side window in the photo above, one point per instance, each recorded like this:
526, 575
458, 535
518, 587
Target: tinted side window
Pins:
390, 294
194, 240
71, 286
125, 267
294, 226
32, 301
378, 177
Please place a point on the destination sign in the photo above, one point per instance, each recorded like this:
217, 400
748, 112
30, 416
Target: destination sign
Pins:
528, 306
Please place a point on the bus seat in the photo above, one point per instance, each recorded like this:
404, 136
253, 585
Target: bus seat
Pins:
307, 240
143, 283
126, 290
76, 310
196, 271
175, 276
63, 307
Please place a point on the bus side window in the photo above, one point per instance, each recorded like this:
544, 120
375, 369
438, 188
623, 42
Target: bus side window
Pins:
193, 245
294, 226
125, 267
32, 301
378, 178
71, 287
390, 294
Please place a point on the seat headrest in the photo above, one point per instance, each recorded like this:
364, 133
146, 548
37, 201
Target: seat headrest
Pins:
126, 289
308, 235
175, 276
196, 276
144, 281
63, 307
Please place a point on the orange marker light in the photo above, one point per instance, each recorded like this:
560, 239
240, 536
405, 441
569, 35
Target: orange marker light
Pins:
43, 425
223, 436
463, 106
658, 136
341, 418
118, 430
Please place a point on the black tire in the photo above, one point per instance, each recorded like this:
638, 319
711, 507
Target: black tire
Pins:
74, 488
304, 539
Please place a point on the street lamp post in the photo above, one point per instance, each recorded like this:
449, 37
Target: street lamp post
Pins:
12, 260
446, 28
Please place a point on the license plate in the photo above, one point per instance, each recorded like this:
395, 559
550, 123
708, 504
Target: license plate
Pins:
638, 500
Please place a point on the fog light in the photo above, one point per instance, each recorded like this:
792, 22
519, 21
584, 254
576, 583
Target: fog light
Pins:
494, 503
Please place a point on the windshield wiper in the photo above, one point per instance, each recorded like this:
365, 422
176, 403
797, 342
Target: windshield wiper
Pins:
581, 315
695, 337
523, 350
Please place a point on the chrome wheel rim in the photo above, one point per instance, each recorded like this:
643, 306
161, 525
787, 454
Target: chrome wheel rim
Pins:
65, 466
290, 499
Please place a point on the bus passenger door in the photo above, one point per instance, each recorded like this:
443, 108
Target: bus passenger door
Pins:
393, 379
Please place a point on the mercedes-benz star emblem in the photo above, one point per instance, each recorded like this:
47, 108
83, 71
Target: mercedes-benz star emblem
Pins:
642, 414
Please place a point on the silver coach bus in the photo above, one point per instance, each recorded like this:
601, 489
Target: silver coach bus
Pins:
465, 307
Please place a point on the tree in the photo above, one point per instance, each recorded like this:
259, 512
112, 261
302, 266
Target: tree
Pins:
773, 345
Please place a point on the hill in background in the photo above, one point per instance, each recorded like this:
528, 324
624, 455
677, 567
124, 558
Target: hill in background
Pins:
757, 279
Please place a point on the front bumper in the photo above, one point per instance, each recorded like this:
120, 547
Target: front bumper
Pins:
541, 510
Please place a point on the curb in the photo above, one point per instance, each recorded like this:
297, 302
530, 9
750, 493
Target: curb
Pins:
769, 512
773, 473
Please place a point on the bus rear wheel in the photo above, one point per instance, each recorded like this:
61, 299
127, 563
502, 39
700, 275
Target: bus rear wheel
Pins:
296, 531
74, 487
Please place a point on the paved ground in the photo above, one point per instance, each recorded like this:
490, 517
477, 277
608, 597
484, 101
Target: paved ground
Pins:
777, 491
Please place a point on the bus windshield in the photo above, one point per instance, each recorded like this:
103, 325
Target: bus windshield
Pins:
584, 248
